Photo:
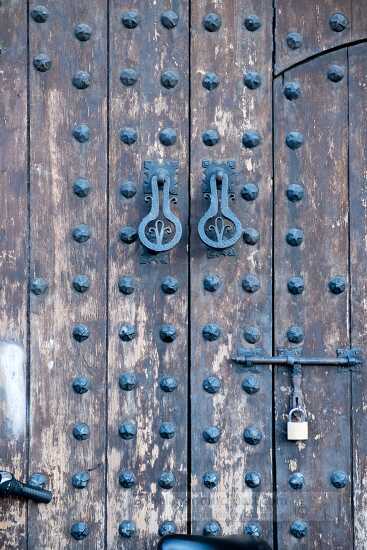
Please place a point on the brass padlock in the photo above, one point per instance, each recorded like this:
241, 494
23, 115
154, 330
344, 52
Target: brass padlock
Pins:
297, 425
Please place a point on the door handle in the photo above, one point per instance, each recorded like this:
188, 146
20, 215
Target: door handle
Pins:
9, 486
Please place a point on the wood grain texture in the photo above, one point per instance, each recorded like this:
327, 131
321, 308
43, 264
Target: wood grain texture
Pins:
148, 107
57, 160
231, 108
321, 166
358, 232
13, 260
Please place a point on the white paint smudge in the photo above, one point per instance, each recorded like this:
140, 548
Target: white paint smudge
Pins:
13, 388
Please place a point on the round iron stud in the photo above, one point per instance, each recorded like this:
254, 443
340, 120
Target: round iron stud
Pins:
42, 62
338, 22
128, 234
130, 19
81, 133
168, 136
251, 139
127, 529
335, 73
294, 237
38, 479
295, 335
81, 283
38, 286
39, 14
167, 480
252, 435
127, 332
81, 385
294, 40
81, 80
127, 430
126, 285
79, 530
252, 335
251, 236
212, 529
211, 283
212, 434
212, 384
252, 80
81, 431
167, 430
211, 332
251, 384
167, 528
250, 191
339, 479
167, 333
170, 285
129, 77
81, 187
128, 189
128, 135
252, 23
81, 233
212, 22
210, 81
80, 480
210, 137
210, 479
295, 192
81, 332
253, 479
168, 384
296, 285
296, 481
292, 90
83, 32
127, 479
337, 285
250, 283
294, 140
128, 381
252, 529
298, 529
169, 19
169, 79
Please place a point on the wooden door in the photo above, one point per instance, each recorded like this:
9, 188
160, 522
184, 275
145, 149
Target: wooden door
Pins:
135, 347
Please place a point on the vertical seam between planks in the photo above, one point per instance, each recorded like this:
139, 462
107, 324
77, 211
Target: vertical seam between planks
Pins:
28, 271
189, 450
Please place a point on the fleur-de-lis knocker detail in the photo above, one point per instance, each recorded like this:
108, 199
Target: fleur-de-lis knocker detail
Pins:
160, 230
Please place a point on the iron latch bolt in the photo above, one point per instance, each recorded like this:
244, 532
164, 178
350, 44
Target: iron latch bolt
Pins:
9, 486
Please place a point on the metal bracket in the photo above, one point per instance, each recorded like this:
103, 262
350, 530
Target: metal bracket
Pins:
288, 357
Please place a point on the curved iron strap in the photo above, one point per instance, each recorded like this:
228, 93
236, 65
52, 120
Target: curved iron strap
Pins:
220, 212
157, 232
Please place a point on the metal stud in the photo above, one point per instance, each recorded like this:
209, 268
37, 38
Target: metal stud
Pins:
130, 19
252, 435
81, 283
169, 19
252, 529
129, 77
294, 40
81, 187
212, 384
294, 140
212, 22
210, 137
127, 479
167, 528
83, 32
126, 285
128, 381
252, 335
167, 333
81, 80
38, 286
212, 529
211, 332
169, 79
42, 62
294, 237
128, 135
252, 23
292, 90
337, 285
81, 133
167, 480
81, 431
80, 385
127, 430
168, 384
211, 283
38, 479
127, 529
210, 81
295, 192
39, 14
170, 285
335, 73
338, 22
296, 285
212, 434
168, 136
253, 479
250, 283
339, 479
250, 191
167, 430
250, 384
81, 233
79, 530
81, 332
128, 189
251, 139
127, 332
296, 481
299, 529
210, 479
252, 80
251, 236
295, 334
128, 234
80, 480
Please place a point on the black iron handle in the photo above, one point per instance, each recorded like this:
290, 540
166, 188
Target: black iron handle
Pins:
9, 486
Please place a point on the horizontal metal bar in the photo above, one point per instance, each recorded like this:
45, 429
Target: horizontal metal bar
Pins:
291, 360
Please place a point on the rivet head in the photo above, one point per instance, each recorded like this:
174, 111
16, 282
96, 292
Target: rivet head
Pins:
81, 133
81, 187
252, 529
128, 189
212, 434
294, 237
167, 333
38, 286
81, 233
83, 32
252, 435
81, 283
127, 529
250, 283
294, 40
210, 81
168, 384
211, 332
127, 430
42, 62
251, 139
128, 381
295, 334
296, 285
249, 191
167, 430
210, 137
253, 479
251, 335
81, 80
169, 79
126, 285
167, 528
38, 479
298, 529
81, 431
80, 480
212, 384
129, 77
170, 285
250, 384
212, 529
211, 283
81, 332
295, 192
338, 22
252, 80
128, 234
212, 22
128, 135
168, 136
335, 73
127, 479
130, 19
339, 479
167, 480
337, 285
127, 332
169, 19
80, 385
39, 14
292, 91
294, 140
251, 236
210, 479
296, 481
252, 23
79, 530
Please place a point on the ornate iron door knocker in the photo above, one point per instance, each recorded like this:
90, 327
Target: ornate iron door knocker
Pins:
219, 227
160, 230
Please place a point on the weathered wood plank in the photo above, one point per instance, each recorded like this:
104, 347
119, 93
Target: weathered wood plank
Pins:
13, 261
146, 106
58, 159
232, 108
320, 165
